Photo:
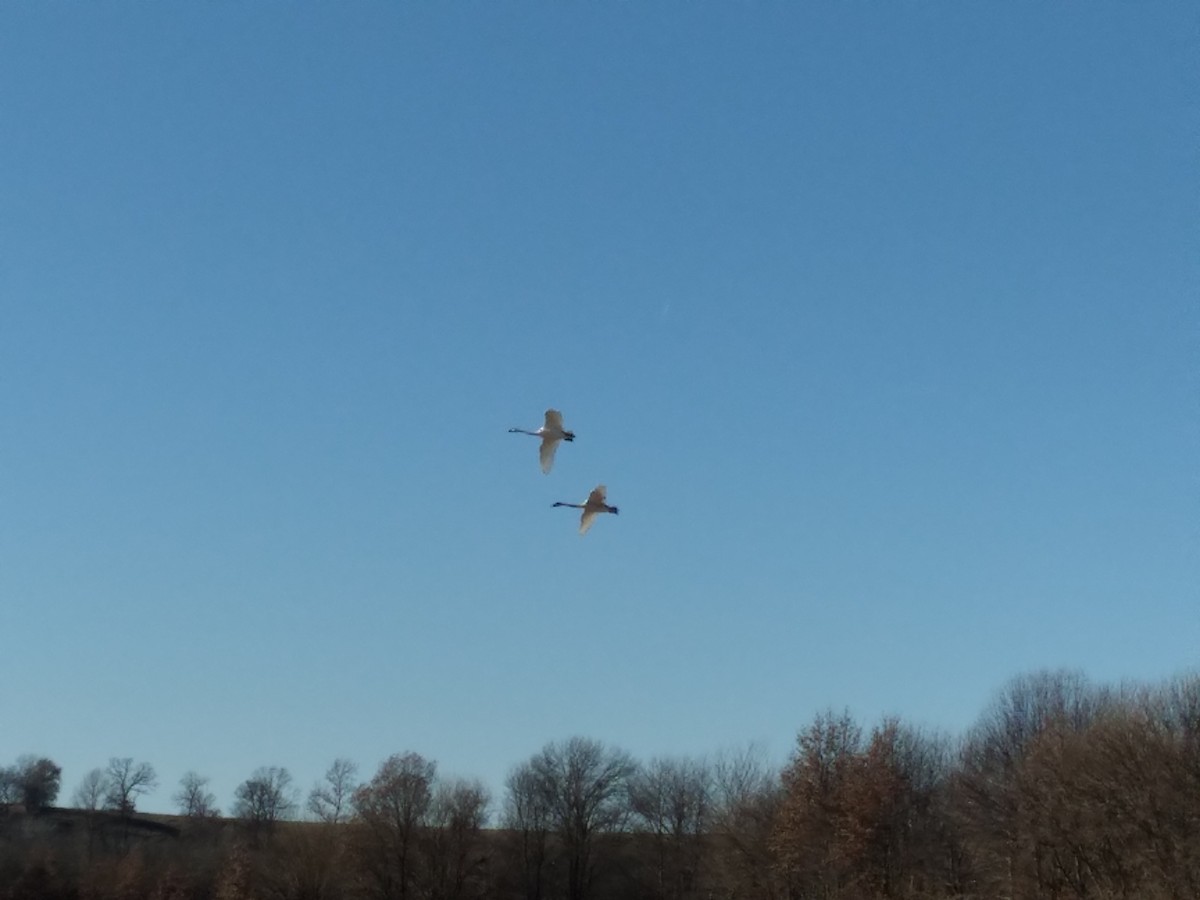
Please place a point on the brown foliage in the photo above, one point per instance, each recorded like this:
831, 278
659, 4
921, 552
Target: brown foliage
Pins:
862, 819
1061, 790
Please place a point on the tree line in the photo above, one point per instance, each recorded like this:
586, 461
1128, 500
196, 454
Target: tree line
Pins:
1062, 789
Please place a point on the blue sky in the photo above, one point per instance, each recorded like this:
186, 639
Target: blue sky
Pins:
879, 322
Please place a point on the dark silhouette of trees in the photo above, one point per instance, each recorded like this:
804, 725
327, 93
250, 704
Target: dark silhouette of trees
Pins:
527, 824
193, 799
991, 806
264, 799
392, 808
330, 801
125, 782
1062, 789
671, 801
33, 782
583, 787
418, 836
453, 847
41, 779
746, 804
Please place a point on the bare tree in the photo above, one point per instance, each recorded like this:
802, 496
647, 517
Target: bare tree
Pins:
330, 801
671, 799
585, 787
91, 792
393, 807
126, 782
1110, 809
988, 787
89, 797
453, 851
265, 798
193, 798
746, 797
526, 818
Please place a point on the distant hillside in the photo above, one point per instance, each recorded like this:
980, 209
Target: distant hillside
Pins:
63, 821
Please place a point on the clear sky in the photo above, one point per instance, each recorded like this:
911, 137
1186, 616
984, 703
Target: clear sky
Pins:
878, 320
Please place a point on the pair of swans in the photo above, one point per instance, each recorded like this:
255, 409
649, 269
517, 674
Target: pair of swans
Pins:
552, 434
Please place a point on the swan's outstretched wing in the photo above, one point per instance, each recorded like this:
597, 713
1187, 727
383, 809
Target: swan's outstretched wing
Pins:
549, 445
593, 507
553, 420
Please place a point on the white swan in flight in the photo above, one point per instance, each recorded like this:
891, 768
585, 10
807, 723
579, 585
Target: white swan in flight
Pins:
551, 434
591, 507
